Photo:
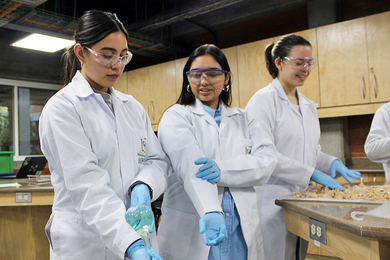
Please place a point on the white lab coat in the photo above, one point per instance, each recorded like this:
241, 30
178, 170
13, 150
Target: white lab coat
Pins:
94, 157
377, 146
296, 138
188, 133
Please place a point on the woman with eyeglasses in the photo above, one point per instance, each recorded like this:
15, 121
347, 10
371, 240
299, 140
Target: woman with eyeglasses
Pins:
217, 155
291, 119
103, 154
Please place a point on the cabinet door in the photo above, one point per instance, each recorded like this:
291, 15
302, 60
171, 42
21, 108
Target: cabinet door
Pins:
378, 45
179, 66
163, 89
343, 64
252, 73
231, 55
138, 85
121, 84
311, 88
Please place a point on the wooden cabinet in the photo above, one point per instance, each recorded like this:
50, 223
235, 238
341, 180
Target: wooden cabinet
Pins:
353, 58
22, 224
121, 85
378, 47
231, 55
343, 64
163, 89
350, 77
154, 87
179, 66
138, 85
252, 72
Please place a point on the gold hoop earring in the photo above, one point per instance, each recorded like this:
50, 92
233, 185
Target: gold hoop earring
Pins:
82, 64
226, 88
188, 88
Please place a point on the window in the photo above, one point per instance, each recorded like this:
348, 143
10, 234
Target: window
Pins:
6, 122
21, 104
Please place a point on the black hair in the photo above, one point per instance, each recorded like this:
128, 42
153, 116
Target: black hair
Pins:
188, 98
281, 49
93, 26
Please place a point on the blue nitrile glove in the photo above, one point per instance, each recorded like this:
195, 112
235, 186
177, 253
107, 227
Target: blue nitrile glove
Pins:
338, 166
212, 227
137, 252
140, 195
209, 171
326, 180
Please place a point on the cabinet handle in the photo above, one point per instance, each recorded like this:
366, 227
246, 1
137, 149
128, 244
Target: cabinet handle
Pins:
151, 103
375, 84
363, 88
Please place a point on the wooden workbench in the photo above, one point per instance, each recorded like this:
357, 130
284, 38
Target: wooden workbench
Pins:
345, 237
22, 234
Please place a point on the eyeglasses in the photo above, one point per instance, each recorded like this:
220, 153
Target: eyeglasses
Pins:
213, 76
110, 60
299, 63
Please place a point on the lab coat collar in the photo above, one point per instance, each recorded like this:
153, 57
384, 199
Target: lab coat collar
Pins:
225, 114
303, 101
279, 89
83, 89
81, 86
198, 109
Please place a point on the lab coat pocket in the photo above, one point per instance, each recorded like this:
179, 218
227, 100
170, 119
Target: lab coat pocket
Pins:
75, 239
246, 145
239, 147
175, 236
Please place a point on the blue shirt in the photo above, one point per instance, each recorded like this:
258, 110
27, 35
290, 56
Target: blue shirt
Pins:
234, 248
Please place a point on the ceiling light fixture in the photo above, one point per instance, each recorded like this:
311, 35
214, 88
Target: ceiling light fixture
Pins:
42, 42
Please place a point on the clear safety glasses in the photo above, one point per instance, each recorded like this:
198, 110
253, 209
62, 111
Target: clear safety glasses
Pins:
213, 76
299, 63
110, 60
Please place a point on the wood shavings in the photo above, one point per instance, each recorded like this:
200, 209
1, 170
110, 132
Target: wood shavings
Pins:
352, 192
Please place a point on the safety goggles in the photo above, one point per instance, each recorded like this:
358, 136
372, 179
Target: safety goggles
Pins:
213, 76
110, 60
299, 63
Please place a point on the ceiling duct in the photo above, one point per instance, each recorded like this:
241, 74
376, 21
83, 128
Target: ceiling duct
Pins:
24, 16
189, 12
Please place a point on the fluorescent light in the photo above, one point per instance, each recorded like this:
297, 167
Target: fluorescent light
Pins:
41, 42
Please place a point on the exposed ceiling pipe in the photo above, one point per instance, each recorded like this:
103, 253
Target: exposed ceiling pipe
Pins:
28, 15
192, 11
25, 17
213, 34
11, 6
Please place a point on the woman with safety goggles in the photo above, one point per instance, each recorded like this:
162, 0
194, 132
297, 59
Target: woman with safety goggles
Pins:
291, 119
217, 155
103, 154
